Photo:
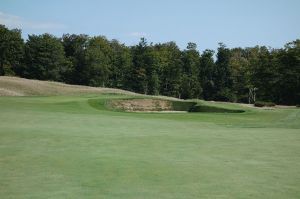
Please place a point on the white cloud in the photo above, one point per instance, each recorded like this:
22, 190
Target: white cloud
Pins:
138, 34
13, 21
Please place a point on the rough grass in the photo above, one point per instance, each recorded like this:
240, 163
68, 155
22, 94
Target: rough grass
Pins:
15, 86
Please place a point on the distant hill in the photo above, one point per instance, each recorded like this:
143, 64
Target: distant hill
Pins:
15, 86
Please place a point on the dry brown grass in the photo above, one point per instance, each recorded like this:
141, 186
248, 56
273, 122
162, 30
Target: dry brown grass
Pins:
15, 86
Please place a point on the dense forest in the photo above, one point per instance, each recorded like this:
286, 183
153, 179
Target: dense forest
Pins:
156, 69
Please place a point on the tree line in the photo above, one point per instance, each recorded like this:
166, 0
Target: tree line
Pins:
156, 69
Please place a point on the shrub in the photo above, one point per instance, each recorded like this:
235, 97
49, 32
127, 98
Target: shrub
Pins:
263, 104
259, 104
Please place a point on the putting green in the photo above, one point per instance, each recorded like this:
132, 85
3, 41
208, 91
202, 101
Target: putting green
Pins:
74, 147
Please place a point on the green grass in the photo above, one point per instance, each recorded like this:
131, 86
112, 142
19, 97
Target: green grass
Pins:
73, 147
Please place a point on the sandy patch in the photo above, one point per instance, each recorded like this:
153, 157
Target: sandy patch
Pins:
142, 105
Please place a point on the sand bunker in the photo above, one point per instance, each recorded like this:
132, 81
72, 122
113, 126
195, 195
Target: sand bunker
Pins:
145, 105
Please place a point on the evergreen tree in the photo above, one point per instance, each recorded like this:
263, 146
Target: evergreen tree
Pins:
120, 66
239, 66
169, 68
191, 87
11, 51
207, 73
223, 75
98, 61
45, 58
141, 60
75, 49
287, 86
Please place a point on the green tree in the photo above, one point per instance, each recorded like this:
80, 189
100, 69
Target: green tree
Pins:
11, 51
239, 66
262, 72
191, 87
142, 61
120, 66
207, 74
154, 83
223, 76
75, 49
169, 68
287, 86
45, 58
98, 61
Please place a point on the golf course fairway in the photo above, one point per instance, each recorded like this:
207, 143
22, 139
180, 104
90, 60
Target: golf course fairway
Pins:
75, 147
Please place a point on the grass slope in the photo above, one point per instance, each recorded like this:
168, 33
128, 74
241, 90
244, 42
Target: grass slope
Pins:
15, 86
73, 147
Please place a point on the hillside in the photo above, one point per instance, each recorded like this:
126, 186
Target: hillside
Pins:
15, 86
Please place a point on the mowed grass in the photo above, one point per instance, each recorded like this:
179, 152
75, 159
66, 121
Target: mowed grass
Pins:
72, 147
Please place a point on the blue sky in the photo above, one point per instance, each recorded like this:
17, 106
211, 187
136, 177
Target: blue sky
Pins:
233, 22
